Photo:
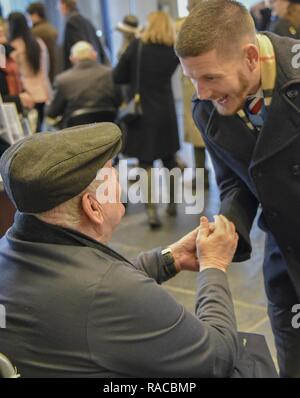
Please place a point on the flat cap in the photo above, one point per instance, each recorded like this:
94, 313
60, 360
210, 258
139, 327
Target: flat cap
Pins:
47, 169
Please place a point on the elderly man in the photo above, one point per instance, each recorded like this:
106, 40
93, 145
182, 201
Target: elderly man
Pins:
75, 307
85, 92
248, 110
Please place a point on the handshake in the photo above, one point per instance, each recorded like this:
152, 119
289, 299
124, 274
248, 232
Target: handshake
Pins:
211, 245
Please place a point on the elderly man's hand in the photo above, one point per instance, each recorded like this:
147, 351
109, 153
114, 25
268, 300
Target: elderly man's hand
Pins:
216, 247
185, 253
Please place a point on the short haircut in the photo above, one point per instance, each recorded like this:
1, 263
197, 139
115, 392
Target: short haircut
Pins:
214, 24
70, 4
37, 8
82, 50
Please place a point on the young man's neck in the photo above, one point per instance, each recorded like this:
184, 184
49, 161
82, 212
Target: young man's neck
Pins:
256, 81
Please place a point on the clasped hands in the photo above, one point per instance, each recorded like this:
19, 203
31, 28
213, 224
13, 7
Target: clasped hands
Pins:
211, 245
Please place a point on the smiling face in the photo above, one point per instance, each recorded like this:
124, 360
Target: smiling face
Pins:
223, 80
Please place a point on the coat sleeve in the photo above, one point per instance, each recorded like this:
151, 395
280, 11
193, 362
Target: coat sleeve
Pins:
123, 71
238, 203
139, 330
153, 264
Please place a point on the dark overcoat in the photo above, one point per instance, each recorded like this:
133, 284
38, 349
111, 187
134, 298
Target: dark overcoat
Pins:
79, 28
155, 134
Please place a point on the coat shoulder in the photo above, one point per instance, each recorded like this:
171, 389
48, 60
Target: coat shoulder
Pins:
201, 111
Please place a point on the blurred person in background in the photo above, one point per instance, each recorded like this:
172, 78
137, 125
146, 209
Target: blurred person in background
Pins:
263, 14
155, 134
129, 28
288, 23
280, 7
32, 59
84, 91
10, 82
44, 30
78, 28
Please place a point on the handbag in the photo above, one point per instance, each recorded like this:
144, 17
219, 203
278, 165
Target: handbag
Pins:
132, 110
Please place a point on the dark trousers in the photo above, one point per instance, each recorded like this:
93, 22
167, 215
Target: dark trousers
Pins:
282, 297
169, 163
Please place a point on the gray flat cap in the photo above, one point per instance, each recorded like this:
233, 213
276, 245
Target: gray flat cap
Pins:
47, 169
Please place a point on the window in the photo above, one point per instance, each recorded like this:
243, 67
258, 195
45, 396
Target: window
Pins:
183, 12
182, 8
14, 5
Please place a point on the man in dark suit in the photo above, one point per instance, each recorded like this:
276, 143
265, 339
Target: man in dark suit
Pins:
248, 108
79, 28
75, 307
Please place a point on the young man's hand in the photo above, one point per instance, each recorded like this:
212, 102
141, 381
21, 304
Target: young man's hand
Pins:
216, 249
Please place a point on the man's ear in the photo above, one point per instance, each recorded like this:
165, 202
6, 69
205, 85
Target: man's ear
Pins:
252, 56
92, 209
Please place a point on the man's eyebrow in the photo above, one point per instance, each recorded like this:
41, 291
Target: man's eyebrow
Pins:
213, 75
207, 75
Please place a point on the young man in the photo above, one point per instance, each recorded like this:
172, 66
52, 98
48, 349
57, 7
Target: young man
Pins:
248, 108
